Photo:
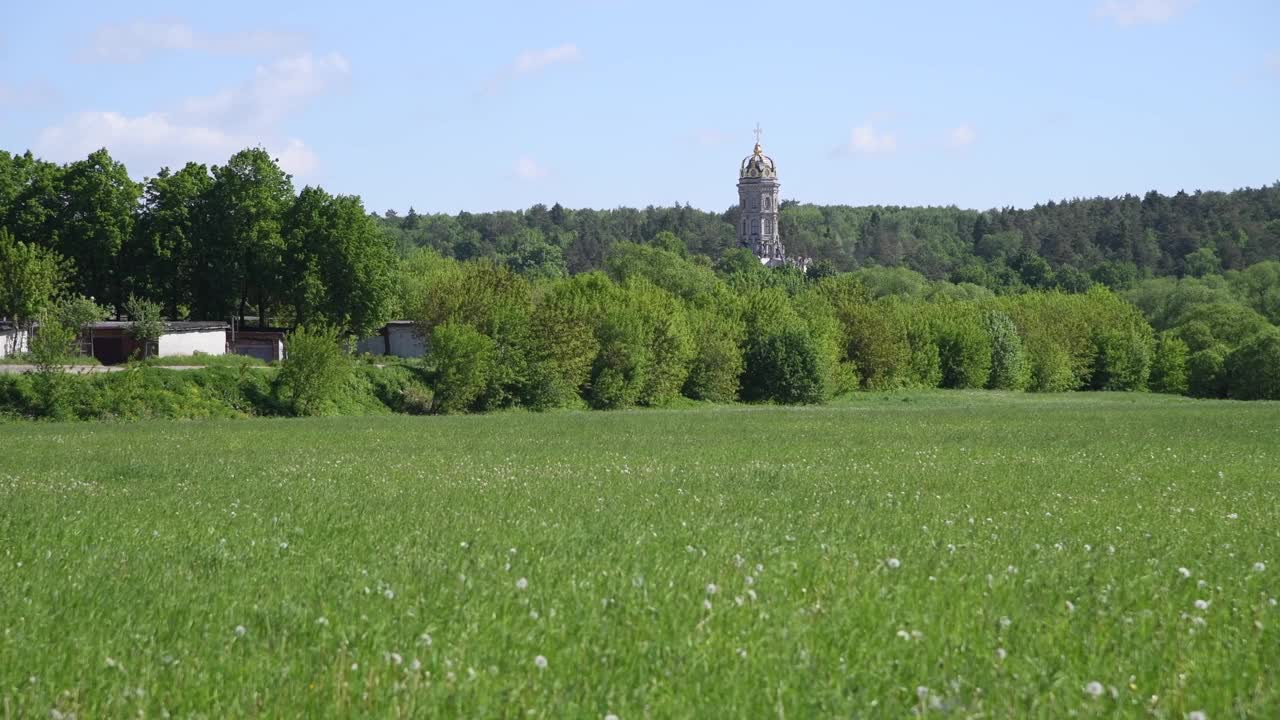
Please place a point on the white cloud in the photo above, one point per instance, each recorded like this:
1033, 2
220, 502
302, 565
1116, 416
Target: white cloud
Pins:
533, 61
1141, 12
962, 136
26, 96
528, 169
208, 129
275, 91
146, 143
867, 139
135, 41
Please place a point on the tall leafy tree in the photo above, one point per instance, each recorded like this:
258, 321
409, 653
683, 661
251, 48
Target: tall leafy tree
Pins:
248, 200
170, 238
95, 219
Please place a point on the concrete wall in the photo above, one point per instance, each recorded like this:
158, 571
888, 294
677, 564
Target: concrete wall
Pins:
374, 345
13, 342
405, 342
209, 342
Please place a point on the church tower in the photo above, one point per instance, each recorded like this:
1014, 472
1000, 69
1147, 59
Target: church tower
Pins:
758, 204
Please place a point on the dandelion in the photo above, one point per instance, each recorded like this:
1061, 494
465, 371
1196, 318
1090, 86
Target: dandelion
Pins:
1233, 516
922, 692
739, 600
1012, 570
1198, 714
1185, 573
322, 620
706, 604
712, 589
610, 716
240, 631
1202, 604
1259, 567
394, 658
389, 594
416, 665
893, 563
284, 546
750, 580
1001, 654
522, 584
1094, 689
1071, 607
540, 662
1005, 621
752, 594
904, 634
533, 615
425, 639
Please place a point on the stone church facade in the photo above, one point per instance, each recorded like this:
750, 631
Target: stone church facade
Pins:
758, 204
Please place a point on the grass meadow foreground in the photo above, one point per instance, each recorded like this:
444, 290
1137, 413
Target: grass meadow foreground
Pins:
948, 554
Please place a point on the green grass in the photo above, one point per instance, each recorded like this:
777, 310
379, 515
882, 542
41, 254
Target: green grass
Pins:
370, 566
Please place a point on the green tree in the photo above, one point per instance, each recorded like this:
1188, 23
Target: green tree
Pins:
1253, 369
1206, 373
1009, 368
95, 221
146, 324
1169, 365
171, 254
463, 359
247, 204
786, 367
316, 370
30, 278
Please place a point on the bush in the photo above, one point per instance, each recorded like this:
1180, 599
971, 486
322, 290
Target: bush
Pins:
463, 360
964, 349
316, 371
1253, 369
1051, 367
1169, 365
1009, 369
785, 367
1123, 360
716, 369
1206, 373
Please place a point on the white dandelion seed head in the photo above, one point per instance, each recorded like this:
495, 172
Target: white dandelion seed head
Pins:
389, 594
706, 604
1202, 604
1199, 714
1185, 573
540, 662
610, 716
1001, 654
425, 639
522, 583
284, 546
752, 594
1094, 689
322, 620
922, 692
1005, 622
1071, 607
1233, 516
1259, 567
712, 589
904, 634
240, 631
893, 563
394, 658
416, 665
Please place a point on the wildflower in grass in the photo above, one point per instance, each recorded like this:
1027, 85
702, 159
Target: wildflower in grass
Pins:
1198, 714
1012, 570
1001, 654
284, 546
416, 665
712, 589
750, 580
752, 594
610, 716
540, 662
1233, 516
1185, 573
240, 631
522, 584
904, 634
389, 594
425, 639
1202, 604
706, 604
322, 620
922, 692
1094, 689
1071, 607
1005, 622
1259, 567
393, 657
893, 563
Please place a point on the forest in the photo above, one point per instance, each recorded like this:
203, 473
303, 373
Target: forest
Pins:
549, 307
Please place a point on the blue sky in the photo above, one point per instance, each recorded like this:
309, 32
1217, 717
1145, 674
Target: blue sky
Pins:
601, 103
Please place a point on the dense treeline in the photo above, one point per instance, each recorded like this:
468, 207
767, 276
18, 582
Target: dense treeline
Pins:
203, 242
554, 307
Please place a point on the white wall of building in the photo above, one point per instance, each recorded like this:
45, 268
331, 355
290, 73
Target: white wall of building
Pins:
208, 342
405, 341
13, 342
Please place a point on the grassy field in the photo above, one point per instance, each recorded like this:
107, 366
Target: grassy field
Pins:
946, 554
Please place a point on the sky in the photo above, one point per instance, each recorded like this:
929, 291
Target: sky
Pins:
477, 106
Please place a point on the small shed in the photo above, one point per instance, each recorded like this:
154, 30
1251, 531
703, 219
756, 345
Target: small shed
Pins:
112, 342
398, 338
262, 343
13, 339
